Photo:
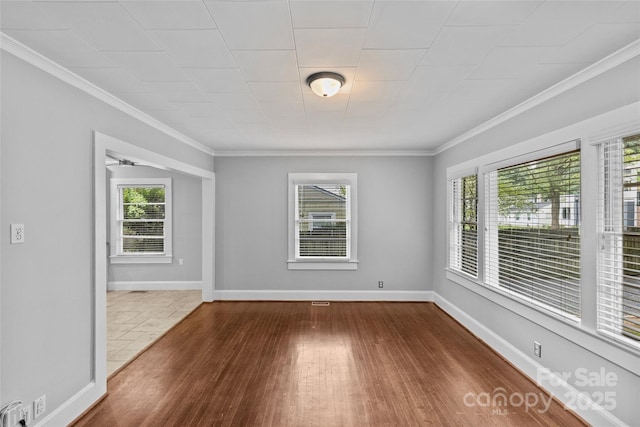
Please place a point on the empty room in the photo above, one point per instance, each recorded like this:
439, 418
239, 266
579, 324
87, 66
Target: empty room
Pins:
319, 213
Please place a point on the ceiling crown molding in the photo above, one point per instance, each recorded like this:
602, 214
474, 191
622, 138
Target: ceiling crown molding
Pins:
621, 56
14, 47
323, 153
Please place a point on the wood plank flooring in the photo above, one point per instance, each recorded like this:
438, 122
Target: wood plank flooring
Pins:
349, 364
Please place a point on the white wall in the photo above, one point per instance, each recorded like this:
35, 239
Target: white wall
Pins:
46, 178
187, 235
512, 326
394, 227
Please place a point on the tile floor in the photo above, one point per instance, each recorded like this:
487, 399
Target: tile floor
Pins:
135, 319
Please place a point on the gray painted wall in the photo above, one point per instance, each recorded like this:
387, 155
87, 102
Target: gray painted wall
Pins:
186, 227
612, 90
394, 224
46, 178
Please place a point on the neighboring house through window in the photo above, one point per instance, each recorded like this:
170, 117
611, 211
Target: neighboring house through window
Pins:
322, 221
141, 220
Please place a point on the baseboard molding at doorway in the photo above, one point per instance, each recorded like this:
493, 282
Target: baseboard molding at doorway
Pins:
154, 286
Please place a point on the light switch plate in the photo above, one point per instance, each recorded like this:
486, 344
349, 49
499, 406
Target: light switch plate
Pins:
17, 233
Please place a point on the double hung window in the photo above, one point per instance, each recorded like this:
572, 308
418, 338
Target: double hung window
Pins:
322, 221
532, 238
141, 220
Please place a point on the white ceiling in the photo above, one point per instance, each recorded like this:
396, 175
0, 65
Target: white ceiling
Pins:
231, 74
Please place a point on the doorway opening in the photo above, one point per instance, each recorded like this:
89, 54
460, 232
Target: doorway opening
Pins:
141, 309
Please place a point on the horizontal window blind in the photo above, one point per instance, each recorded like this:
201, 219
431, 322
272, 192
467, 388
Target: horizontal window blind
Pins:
463, 225
322, 220
619, 229
532, 238
141, 219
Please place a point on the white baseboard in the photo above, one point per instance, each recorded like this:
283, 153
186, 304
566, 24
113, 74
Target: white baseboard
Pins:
74, 407
154, 286
300, 295
594, 414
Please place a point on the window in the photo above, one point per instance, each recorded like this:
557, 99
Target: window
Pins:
538, 260
322, 221
463, 225
141, 220
619, 229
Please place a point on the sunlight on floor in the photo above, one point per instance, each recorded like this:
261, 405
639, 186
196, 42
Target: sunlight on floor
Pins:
135, 319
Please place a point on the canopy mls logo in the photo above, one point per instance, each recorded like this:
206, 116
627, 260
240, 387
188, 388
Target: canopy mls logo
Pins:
500, 401
589, 390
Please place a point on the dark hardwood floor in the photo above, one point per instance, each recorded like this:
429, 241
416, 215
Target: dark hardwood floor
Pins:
349, 364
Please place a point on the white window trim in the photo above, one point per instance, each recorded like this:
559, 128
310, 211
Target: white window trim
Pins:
453, 262
322, 263
119, 258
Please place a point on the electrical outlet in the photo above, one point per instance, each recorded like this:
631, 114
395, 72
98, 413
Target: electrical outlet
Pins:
39, 406
381, 284
537, 349
17, 234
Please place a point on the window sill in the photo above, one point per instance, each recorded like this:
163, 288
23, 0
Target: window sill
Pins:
322, 265
141, 259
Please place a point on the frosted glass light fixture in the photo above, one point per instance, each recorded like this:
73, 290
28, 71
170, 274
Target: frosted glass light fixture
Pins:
325, 83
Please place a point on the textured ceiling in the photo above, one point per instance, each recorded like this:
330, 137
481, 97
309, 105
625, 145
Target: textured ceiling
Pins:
231, 74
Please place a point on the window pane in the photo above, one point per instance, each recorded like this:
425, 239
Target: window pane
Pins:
143, 203
464, 225
322, 225
143, 228
143, 212
533, 241
619, 257
154, 194
144, 245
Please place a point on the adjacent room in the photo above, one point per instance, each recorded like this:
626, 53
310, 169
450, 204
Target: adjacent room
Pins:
310, 212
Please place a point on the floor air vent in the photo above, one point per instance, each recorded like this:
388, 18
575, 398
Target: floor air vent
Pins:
321, 303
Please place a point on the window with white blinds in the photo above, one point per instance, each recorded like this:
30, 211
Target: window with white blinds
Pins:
532, 238
141, 213
619, 248
322, 221
463, 225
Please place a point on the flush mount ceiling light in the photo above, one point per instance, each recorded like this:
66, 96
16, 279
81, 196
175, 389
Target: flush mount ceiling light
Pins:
325, 83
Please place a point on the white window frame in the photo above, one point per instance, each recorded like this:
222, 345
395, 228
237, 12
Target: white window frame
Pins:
118, 257
350, 262
519, 153
454, 262
490, 225
583, 332
610, 254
